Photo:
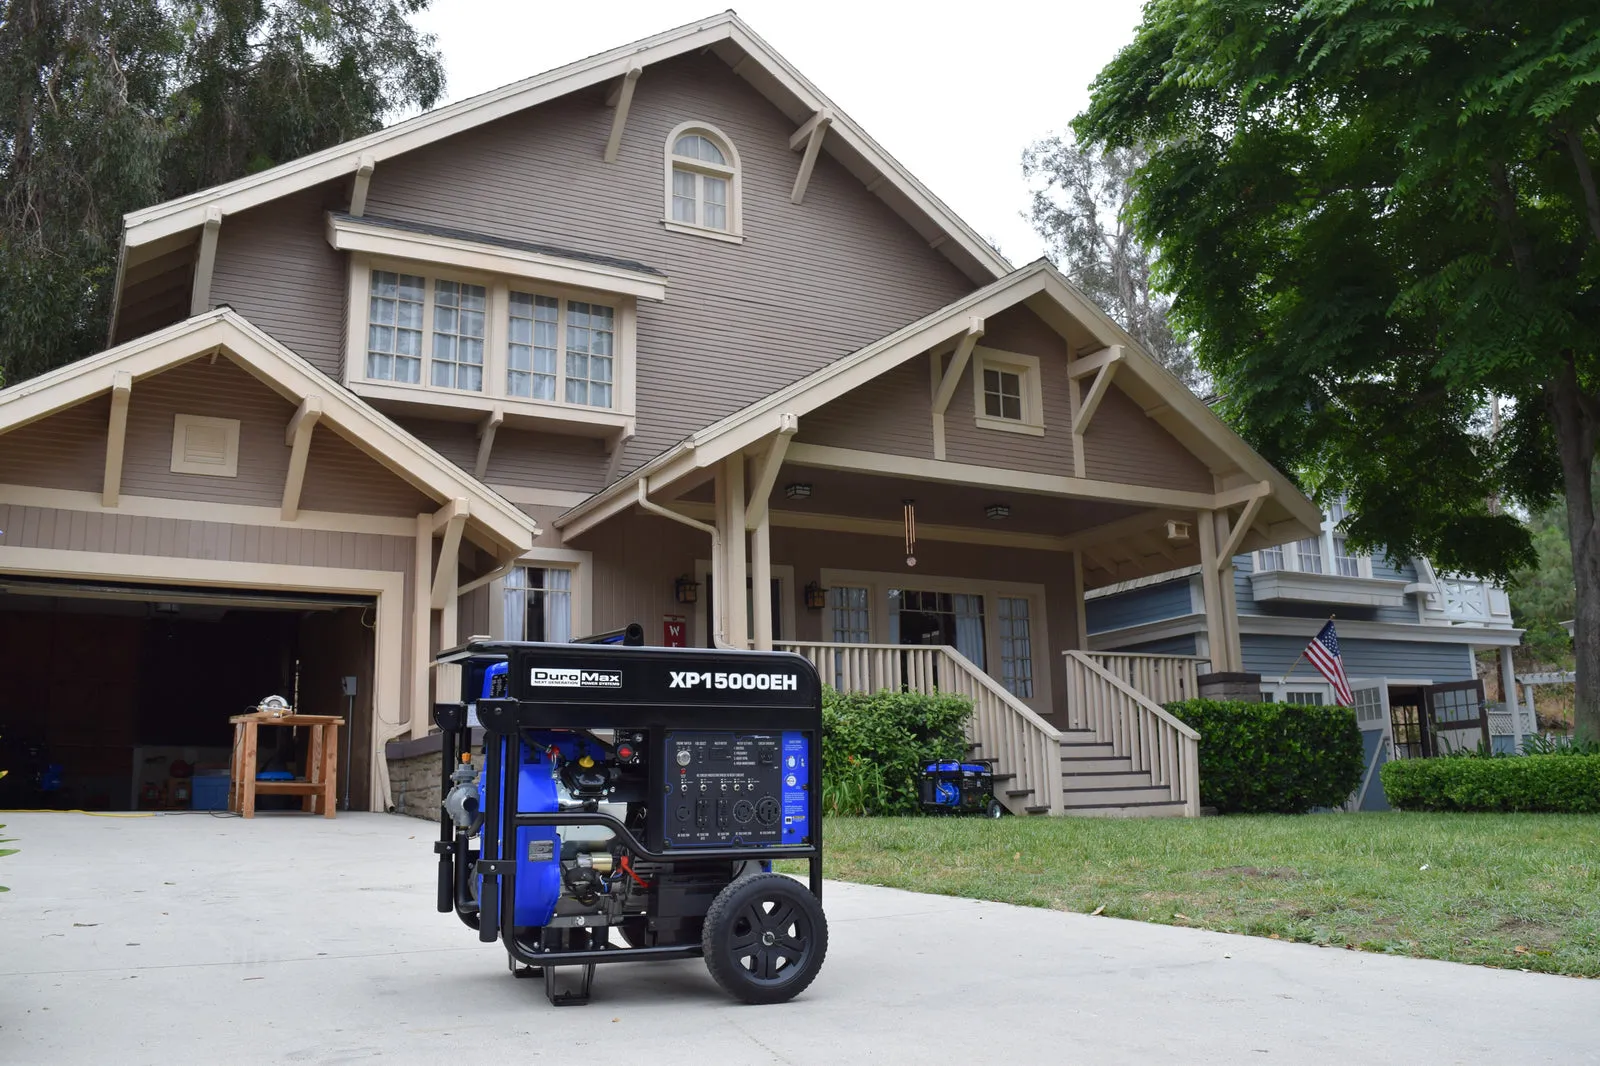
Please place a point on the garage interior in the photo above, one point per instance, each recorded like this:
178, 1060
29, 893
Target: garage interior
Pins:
116, 697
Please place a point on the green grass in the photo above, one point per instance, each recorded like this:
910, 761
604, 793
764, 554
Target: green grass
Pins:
1512, 890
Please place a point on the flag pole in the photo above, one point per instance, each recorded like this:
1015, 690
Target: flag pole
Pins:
1301, 657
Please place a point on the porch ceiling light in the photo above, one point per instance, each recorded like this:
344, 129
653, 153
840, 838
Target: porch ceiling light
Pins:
997, 511
800, 490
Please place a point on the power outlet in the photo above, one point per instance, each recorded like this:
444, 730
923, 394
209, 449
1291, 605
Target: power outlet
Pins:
348, 684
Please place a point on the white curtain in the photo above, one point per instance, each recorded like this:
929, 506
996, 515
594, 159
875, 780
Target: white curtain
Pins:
969, 627
544, 594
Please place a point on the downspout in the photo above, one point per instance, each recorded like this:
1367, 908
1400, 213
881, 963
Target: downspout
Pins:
645, 502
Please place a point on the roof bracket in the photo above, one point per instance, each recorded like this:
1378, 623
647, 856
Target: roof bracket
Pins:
298, 437
486, 433
452, 519
810, 135
761, 489
358, 194
205, 263
1103, 365
116, 436
621, 99
945, 384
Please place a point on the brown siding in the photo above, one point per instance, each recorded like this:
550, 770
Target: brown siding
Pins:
341, 477
1017, 330
216, 390
636, 559
67, 450
891, 413
1124, 445
519, 457
276, 268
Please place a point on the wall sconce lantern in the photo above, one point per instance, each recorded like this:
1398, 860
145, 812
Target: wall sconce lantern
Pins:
686, 589
816, 596
800, 490
997, 511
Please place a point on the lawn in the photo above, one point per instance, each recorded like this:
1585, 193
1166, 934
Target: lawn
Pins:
1517, 891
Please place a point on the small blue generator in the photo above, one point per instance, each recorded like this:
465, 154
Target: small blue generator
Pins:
629, 804
959, 788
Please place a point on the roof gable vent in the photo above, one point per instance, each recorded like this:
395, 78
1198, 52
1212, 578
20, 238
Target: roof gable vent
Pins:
202, 445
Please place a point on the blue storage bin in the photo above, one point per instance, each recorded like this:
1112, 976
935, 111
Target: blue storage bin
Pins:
210, 793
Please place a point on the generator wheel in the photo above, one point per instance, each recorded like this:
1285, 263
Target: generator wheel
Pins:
765, 938
994, 810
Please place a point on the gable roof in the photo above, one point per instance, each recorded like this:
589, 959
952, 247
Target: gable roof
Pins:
495, 521
1163, 398
724, 35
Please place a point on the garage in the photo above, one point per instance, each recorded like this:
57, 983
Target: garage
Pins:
116, 696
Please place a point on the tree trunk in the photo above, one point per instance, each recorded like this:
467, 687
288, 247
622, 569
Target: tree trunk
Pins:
1572, 414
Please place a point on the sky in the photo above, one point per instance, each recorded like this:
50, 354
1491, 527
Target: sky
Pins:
954, 98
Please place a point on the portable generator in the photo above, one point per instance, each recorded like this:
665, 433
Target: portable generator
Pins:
959, 788
629, 806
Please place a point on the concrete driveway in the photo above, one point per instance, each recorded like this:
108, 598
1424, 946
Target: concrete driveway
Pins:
195, 938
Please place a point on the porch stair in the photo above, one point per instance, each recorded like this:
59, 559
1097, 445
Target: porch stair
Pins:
1121, 754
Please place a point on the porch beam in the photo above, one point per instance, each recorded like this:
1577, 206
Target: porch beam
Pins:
815, 128
486, 433
298, 438
205, 263
358, 192
880, 527
767, 476
445, 574
939, 471
116, 437
620, 99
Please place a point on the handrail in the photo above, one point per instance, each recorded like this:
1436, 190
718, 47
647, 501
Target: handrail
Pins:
1136, 727
1161, 678
1021, 743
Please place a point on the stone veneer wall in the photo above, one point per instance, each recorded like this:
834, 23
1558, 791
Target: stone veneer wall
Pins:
414, 783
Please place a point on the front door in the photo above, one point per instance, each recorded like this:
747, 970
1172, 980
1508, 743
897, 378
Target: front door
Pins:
1372, 716
951, 618
1409, 724
1457, 716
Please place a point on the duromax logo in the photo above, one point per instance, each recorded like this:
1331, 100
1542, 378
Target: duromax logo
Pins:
547, 677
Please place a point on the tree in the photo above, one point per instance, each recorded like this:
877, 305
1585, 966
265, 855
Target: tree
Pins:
107, 106
1083, 214
1377, 217
1541, 594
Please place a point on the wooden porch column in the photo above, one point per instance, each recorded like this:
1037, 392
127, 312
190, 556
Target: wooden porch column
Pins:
1508, 686
1210, 584
732, 580
761, 581
1227, 592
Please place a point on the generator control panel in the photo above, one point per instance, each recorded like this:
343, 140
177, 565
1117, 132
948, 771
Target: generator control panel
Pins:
727, 788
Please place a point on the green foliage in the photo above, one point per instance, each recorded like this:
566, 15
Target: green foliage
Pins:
111, 106
1542, 595
1539, 744
874, 746
1274, 758
1375, 218
1554, 783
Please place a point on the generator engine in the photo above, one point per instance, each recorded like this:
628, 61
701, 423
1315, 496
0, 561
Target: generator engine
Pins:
626, 803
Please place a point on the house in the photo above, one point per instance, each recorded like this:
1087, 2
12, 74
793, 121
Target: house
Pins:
1409, 637
661, 336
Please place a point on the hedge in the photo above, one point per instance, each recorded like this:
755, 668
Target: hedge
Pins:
1274, 758
874, 745
1558, 784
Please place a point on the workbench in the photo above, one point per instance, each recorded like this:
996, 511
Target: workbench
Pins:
317, 788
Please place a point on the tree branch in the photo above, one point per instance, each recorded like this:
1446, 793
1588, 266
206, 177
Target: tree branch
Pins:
1505, 207
1580, 159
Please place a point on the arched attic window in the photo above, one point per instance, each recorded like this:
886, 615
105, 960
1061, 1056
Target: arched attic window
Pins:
702, 194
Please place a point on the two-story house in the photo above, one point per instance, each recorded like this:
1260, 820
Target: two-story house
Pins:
1409, 637
661, 336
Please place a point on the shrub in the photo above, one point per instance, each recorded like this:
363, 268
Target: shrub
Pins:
1559, 784
1274, 758
874, 745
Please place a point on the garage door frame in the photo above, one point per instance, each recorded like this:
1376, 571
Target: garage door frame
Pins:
386, 586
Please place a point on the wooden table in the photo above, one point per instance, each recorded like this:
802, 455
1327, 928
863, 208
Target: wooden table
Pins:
322, 764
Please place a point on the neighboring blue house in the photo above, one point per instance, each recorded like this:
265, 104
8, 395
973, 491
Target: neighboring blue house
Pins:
1409, 637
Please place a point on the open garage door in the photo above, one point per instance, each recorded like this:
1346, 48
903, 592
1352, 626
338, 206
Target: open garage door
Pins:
117, 696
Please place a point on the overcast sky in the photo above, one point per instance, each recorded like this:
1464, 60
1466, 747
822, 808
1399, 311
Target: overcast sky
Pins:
954, 97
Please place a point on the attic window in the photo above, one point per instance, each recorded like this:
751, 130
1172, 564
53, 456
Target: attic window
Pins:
702, 183
208, 446
1006, 391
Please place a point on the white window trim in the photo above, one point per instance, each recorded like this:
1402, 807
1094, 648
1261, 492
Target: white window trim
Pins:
878, 583
230, 445
582, 566
735, 231
1027, 368
615, 421
1291, 558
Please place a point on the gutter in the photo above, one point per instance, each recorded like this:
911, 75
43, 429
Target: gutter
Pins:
718, 638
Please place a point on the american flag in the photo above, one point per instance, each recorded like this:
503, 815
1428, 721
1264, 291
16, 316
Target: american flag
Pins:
1323, 653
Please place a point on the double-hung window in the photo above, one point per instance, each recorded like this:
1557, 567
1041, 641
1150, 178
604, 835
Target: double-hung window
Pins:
458, 335
538, 604
702, 182
394, 327
1016, 647
561, 349
398, 343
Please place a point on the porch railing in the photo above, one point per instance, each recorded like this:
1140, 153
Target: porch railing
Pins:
1136, 727
1161, 678
1011, 733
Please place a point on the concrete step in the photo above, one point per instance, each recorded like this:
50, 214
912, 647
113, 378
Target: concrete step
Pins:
1085, 764
1132, 810
1117, 795
1106, 779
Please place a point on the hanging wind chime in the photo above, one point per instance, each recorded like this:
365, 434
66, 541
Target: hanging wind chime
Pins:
911, 531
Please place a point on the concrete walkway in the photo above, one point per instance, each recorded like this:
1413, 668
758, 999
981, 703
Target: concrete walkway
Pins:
194, 938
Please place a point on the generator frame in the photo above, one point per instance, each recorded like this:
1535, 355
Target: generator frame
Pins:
645, 701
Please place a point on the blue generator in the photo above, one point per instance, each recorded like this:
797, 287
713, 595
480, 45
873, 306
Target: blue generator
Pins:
959, 788
607, 802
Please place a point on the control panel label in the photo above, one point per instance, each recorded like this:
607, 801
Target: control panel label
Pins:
725, 788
